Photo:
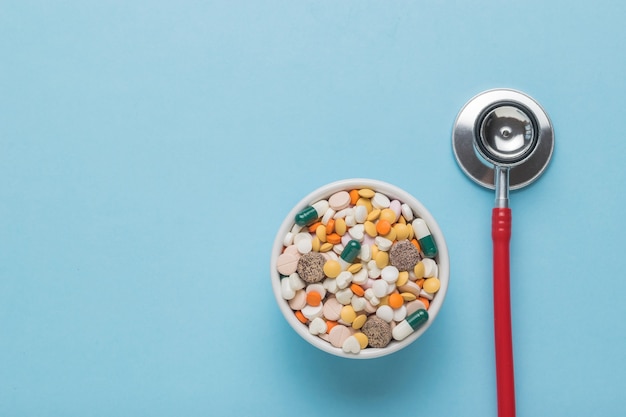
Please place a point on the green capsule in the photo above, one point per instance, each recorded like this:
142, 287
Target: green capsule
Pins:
417, 319
306, 216
351, 251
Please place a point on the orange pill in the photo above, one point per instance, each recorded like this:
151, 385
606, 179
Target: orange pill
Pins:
357, 290
314, 226
329, 325
425, 301
313, 298
330, 227
416, 244
301, 317
383, 227
354, 196
333, 238
395, 300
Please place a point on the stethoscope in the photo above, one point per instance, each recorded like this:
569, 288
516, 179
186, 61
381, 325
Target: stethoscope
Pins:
503, 140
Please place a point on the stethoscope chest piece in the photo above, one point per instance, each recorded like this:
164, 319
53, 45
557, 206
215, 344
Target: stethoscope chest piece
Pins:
507, 128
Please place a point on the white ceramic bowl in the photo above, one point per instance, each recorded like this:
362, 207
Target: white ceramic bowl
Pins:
392, 192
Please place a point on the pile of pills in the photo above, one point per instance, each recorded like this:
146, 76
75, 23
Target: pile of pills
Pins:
359, 269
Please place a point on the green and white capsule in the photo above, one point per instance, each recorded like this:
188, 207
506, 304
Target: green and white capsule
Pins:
407, 326
426, 240
310, 214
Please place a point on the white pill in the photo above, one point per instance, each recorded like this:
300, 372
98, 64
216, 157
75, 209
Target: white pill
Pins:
317, 326
339, 200
338, 248
301, 236
351, 345
360, 277
285, 289
311, 312
360, 214
327, 216
380, 288
350, 220
358, 303
371, 298
341, 214
390, 274
296, 228
427, 295
407, 212
357, 231
399, 313
288, 240
396, 206
372, 270
343, 279
344, 296
383, 243
331, 285
380, 201
430, 268
296, 282
385, 312
304, 246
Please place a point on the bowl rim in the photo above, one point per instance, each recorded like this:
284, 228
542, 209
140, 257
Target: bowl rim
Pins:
393, 192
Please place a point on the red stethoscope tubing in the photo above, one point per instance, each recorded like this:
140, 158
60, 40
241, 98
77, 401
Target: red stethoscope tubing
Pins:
505, 380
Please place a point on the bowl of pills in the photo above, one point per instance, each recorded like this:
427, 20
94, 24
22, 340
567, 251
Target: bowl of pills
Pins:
359, 268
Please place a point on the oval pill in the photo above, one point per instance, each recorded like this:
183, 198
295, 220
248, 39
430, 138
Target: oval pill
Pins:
339, 201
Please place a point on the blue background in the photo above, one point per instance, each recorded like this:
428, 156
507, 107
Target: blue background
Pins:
150, 150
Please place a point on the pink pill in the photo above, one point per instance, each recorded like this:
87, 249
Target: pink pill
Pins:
339, 201
338, 335
287, 263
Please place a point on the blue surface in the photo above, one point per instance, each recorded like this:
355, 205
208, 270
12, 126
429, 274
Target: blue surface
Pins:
149, 151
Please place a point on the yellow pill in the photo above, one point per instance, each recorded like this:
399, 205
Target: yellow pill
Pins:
384, 301
362, 338
402, 220
316, 244
403, 278
325, 247
354, 268
320, 233
370, 229
391, 235
373, 215
402, 231
431, 285
359, 321
407, 296
366, 193
340, 227
382, 259
365, 202
388, 214
332, 268
347, 314
419, 270
411, 231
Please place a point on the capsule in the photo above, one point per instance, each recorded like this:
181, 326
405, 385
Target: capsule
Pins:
427, 243
351, 251
410, 324
311, 213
